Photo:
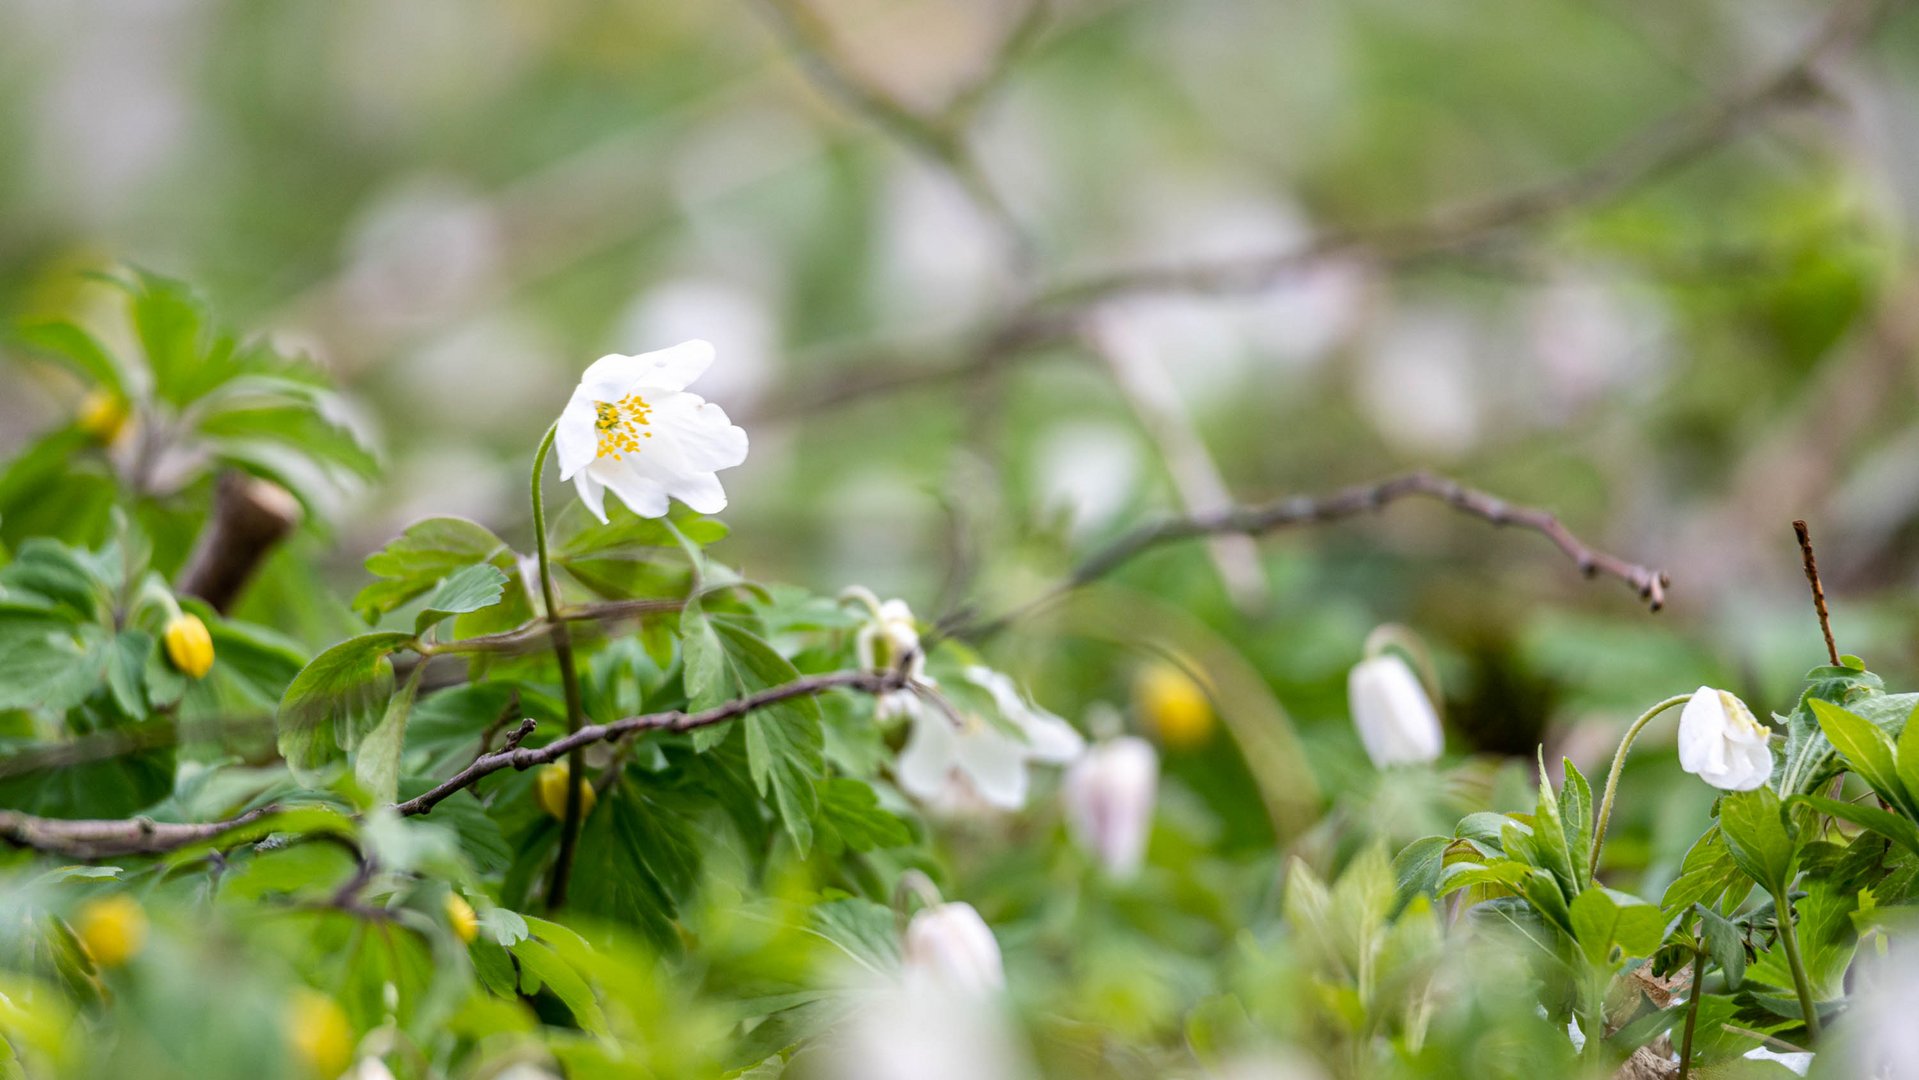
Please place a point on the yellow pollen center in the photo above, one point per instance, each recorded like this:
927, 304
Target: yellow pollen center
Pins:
620, 425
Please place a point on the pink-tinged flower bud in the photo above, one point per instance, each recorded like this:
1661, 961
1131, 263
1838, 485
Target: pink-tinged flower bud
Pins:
1721, 743
1395, 718
1108, 796
951, 946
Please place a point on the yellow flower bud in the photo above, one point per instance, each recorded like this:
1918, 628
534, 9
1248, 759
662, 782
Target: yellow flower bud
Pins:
103, 414
318, 1033
466, 924
112, 929
1173, 704
189, 645
549, 790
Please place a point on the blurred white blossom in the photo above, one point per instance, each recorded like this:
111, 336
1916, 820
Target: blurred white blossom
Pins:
419, 252
889, 634
1108, 795
1417, 381
991, 760
948, 945
1395, 717
1090, 469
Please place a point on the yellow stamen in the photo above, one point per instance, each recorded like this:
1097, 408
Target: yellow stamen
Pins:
619, 424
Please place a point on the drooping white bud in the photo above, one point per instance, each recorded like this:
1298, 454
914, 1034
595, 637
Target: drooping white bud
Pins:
951, 946
1721, 743
1108, 797
1396, 720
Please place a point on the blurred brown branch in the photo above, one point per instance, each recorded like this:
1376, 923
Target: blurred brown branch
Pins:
1649, 583
250, 518
1454, 231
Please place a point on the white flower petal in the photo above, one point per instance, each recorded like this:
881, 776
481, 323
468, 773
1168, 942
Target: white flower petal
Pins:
701, 491
932, 749
575, 441
1396, 721
643, 494
593, 494
1049, 738
614, 376
700, 432
995, 765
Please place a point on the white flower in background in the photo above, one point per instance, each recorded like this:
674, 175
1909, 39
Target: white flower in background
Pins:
369, 1068
950, 946
1396, 720
889, 633
919, 1030
1108, 796
632, 427
1875, 1036
1721, 743
991, 760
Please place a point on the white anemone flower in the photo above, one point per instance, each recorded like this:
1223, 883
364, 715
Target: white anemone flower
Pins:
632, 427
1108, 797
949, 945
1396, 719
991, 760
1721, 743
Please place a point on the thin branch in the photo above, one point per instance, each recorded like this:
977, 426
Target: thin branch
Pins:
1678, 140
518, 757
106, 839
99, 839
1451, 232
1818, 590
1258, 520
940, 139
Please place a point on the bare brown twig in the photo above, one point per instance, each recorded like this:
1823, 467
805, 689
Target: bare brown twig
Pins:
98, 839
1650, 584
1818, 590
1453, 231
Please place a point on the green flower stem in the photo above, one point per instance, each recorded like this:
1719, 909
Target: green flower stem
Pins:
569, 685
1789, 939
1612, 777
1692, 1007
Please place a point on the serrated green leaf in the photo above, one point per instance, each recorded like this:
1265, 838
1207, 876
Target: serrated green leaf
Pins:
49, 663
467, 589
1709, 875
336, 699
1725, 944
1603, 919
1899, 830
419, 558
1868, 751
79, 350
1757, 837
540, 967
851, 813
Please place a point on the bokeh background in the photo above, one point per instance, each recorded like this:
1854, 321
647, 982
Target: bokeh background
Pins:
457, 204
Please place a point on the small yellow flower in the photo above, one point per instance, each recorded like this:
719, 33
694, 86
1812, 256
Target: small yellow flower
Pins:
466, 924
318, 1032
112, 929
549, 790
102, 414
189, 645
1173, 704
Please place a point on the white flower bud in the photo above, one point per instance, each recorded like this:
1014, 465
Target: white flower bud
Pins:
951, 946
1721, 743
1108, 797
1395, 718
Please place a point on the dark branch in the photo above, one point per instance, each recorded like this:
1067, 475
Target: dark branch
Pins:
101, 839
1818, 590
1650, 584
514, 756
